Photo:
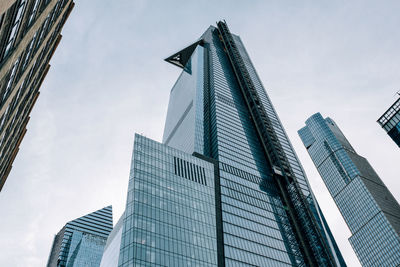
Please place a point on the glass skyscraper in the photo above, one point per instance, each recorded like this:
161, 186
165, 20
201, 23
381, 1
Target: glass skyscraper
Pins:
369, 209
390, 122
225, 188
81, 241
170, 213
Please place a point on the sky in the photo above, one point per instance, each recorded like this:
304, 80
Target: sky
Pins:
108, 80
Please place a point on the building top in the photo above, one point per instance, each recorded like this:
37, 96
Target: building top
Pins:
219, 108
81, 241
369, 209
97, 223
391, 115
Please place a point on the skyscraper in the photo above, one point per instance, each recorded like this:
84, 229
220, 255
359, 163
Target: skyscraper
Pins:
170, 212
29, 34
242, 198
390, 122
81, 241
369, 209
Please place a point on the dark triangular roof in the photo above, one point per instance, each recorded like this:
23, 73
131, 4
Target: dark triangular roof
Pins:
181, 58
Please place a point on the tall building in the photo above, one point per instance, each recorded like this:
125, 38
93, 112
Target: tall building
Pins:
390, 122
225, 188
170, 213
369, 209
30, 31
81, 241
111, 250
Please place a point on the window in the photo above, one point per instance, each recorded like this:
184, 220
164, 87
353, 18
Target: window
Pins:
189, 171
14, 31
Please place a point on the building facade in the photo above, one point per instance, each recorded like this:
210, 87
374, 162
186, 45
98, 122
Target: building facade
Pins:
251, 199
111, 250
170, 212
30, 31
390, 122
369, 209
81, 241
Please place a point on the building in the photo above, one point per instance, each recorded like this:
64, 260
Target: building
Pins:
369, 209
225, 188
390, 122
81, 241
113, 245
30, 31
170, 212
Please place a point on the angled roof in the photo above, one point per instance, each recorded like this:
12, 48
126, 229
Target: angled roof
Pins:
181, 58
98, 222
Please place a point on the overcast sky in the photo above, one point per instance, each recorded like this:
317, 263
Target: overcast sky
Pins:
108, 80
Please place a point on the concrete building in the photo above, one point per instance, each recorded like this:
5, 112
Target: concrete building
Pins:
30, 31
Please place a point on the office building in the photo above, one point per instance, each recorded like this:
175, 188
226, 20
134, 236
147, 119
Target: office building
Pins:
369, 209
390, 122
113, 245
30, 31
225, 188
81, 241
170, 213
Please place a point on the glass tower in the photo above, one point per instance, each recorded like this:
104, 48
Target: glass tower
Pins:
390, 122
251, 204
369, 209
170, 210
81, 241
30, 31
218, 107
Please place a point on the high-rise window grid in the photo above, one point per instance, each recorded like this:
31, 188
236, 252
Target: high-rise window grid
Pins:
81, 241
370, 211
170, 213
29, 34
390, 122
243, 214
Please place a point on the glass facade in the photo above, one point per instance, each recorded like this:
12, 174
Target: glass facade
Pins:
184, 125
170, 210
369, 209
208, 114
113, 245
81, 242
390, 122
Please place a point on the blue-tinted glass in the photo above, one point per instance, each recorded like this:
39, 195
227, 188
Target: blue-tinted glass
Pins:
225, 208
112, 247
81, 242
370, 211
254, 222
390, 122
170, 212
